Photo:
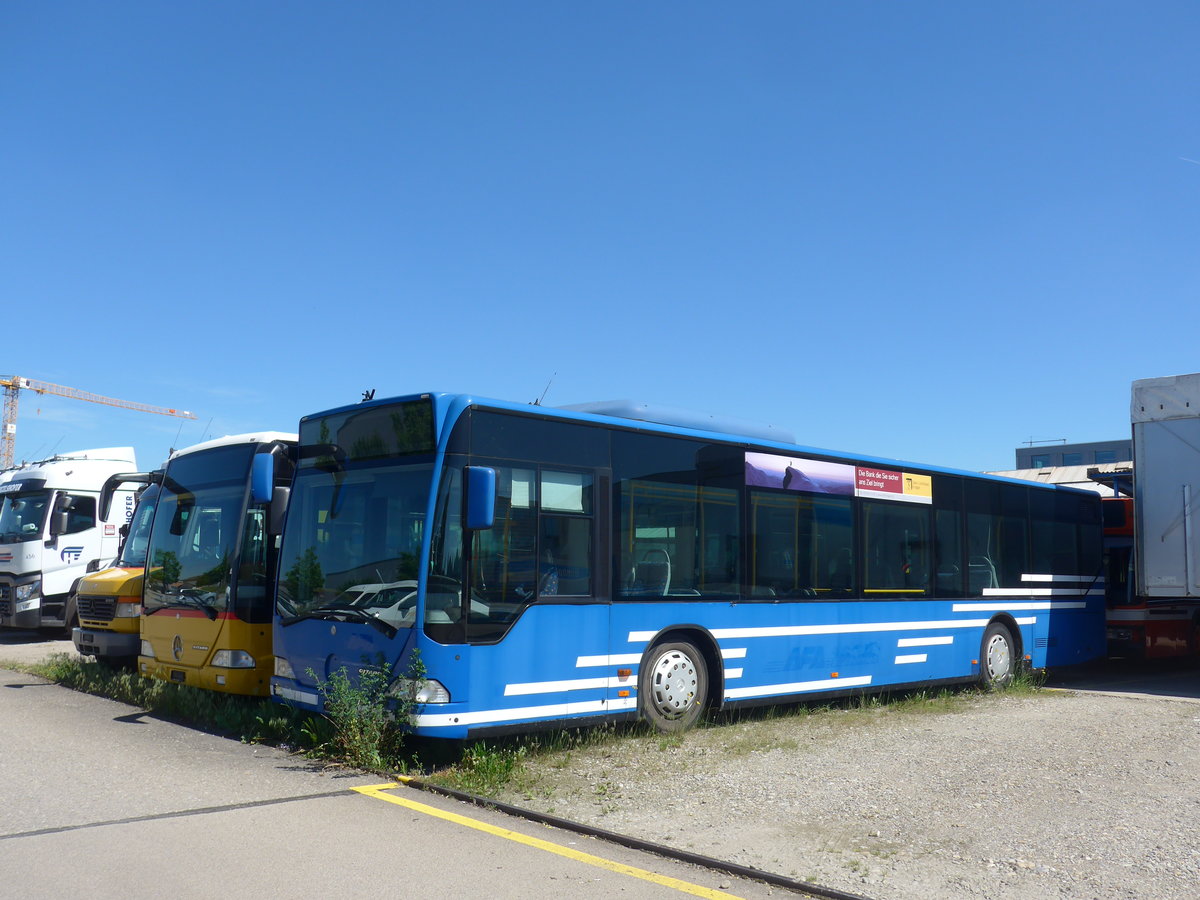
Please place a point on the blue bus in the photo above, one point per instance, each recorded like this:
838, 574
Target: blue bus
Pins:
617, 561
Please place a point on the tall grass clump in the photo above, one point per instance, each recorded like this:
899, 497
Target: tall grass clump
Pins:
369, 718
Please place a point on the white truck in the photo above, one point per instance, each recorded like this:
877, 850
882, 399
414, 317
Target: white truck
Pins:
1166, 456
51, 533
1154, 604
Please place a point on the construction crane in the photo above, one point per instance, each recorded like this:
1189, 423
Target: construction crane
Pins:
15, 384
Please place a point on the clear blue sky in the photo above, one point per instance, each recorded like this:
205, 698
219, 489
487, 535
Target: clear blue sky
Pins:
928, 231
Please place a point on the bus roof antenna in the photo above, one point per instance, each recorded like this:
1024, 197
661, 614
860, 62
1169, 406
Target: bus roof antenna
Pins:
538, 401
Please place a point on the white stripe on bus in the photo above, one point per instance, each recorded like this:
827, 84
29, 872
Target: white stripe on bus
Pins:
797, 687
1039, 592
1088, 578
549, 711
925, 641
554, 687
808, 630
1042, 604
632, 659
619, 659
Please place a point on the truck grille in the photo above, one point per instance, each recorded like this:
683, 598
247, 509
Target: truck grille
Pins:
97, 608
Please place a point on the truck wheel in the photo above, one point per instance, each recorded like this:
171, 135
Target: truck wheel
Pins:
997, 657
673, 686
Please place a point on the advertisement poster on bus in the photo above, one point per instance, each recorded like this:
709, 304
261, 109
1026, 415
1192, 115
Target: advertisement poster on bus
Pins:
814, 476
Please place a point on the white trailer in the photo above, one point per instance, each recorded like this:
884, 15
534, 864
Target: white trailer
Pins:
51, 533
1166, 452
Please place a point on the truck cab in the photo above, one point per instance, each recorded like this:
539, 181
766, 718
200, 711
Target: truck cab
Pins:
52, 533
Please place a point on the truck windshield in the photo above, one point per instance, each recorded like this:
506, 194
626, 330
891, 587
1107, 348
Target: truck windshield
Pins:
22, 515
194, 538
352, 544
133, 554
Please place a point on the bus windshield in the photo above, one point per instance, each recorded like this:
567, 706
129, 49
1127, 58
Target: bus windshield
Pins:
352, 544
194, 538
133, 554
22, 515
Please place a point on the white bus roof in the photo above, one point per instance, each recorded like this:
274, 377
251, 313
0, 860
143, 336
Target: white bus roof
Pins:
229, 440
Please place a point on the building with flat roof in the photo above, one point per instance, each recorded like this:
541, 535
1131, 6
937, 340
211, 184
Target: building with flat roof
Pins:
1096, 453
1106, 479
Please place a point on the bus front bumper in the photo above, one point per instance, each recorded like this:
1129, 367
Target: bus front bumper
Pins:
95, 642
286, 690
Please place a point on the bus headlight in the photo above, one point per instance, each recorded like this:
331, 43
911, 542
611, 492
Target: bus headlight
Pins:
147, 649
427, 690
283, 669
233, 659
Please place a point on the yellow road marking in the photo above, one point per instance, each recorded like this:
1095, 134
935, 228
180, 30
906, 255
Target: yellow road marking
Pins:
377, 791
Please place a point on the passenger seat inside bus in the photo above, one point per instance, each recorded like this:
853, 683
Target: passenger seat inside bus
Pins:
981, 573
653, 574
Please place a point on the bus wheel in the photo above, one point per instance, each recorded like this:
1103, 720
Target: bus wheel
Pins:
997, 657
673, 686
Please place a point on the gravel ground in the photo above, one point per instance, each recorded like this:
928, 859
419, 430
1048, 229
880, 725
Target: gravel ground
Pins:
1016, 796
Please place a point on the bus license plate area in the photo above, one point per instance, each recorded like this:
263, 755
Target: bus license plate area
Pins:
178, 676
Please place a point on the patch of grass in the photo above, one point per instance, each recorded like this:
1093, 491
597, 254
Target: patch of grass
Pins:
1027, 681
485, 769
491, 768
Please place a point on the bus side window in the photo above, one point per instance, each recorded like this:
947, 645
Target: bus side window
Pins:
801, 546
896, 539
677, 540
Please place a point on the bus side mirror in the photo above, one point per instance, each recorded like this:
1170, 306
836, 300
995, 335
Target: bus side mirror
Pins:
481, 497
262, 478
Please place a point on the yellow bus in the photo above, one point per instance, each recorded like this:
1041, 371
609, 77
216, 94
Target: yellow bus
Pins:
210, 564
109, 602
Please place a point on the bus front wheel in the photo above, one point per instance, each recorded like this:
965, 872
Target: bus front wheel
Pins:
997, 656
673, 686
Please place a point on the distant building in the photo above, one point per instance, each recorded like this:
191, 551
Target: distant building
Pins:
1106, 479
1097, 453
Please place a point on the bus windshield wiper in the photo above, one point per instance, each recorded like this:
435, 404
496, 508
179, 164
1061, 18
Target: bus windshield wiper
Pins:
341, 612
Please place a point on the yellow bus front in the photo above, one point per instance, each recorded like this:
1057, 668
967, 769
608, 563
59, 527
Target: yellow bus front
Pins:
206, 609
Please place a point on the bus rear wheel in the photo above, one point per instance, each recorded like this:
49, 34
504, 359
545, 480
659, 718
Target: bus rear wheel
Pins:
997, 657
673, 686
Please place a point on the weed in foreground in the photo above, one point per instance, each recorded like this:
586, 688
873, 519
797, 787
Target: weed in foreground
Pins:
369, 719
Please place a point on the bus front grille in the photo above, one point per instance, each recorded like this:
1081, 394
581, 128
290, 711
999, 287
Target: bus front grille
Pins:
97, 608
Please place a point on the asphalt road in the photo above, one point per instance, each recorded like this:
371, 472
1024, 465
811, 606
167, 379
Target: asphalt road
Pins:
103, 800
